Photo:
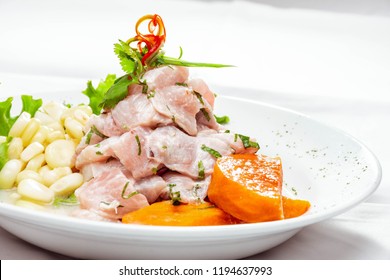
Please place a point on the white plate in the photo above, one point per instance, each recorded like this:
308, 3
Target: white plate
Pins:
331, 169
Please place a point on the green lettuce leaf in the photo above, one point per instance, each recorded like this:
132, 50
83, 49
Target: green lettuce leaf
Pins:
6, 120
4, 153
96, 95
30, 105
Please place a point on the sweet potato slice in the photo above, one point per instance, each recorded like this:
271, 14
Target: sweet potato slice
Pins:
248, 187
164, 213
294, 207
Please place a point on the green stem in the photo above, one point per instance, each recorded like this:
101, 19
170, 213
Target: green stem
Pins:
178, 62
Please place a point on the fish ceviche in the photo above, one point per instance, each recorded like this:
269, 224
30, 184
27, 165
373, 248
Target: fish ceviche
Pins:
147, 149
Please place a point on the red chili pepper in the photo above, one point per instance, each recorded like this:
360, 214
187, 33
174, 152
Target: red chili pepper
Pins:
153, 41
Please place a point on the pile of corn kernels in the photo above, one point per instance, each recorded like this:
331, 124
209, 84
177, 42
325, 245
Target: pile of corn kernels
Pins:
41, 154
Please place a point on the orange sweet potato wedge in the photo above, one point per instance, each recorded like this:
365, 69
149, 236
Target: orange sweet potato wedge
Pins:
294, 207
164, 213
248, 187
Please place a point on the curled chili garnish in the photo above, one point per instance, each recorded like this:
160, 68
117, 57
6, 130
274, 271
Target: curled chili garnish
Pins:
149, 44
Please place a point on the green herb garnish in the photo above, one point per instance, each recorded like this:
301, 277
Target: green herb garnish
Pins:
97, 132
129, 195
205, 114
139, 144
175, 196
222, 119
68, 201
247, 142
211, 151
199, 96
201, 173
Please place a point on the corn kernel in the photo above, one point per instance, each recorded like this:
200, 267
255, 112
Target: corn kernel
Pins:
32, 128
60, 153
36, 163
54, 109
28, 174
74, 128
81, 116
15, 148
20, 125
9, 172
31, 189
31, 151
55, 135
41, 135
44, 118
67, 184
52, 175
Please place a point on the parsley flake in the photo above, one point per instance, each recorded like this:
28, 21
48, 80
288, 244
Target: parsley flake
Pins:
211, 151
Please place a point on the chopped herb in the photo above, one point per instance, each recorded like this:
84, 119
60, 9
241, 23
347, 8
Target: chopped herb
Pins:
97, 132
151, 94
88, 138
199, 96
139, 144
222, 120
247, 142
154, 170
97, 145
195, 192
211, 151
201, 170
205, 114
227, 131
164, 147
182, 84
144, 86
175, 196
129, 195
67, 105
294, 190
173, 116
69, 201
99, 153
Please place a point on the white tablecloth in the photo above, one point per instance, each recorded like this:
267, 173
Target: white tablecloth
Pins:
330, 61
